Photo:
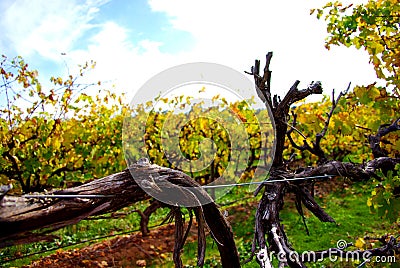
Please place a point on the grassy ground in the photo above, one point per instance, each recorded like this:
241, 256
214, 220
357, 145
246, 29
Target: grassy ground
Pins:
75, 235
346, 204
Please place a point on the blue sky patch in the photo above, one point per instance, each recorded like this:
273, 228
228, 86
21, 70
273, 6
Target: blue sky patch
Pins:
143, 23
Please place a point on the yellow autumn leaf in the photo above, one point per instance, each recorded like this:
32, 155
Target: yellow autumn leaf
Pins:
216, 97
374, 93
57, 144
162, 255
360, 243
369, 202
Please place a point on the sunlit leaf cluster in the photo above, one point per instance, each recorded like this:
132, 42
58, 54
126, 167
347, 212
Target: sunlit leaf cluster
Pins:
52, 137
198, 139
349, 127
373, 26
385, 195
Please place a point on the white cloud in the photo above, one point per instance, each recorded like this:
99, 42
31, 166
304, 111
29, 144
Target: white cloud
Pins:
237, 32
228, 32
46, 27
119, 61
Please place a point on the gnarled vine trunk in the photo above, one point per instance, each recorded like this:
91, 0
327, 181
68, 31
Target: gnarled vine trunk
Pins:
20, 216
269, 232
24, 220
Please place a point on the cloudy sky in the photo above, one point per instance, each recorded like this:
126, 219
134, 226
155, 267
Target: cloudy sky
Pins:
131, 41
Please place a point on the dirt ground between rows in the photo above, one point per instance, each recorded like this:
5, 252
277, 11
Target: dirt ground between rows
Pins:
135, 250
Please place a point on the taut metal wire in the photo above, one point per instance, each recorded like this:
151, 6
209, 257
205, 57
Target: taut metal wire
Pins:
204, 187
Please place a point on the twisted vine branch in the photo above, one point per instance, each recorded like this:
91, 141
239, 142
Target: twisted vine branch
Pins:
269, 232
22, 219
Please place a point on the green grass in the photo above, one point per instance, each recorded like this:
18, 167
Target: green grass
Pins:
75, 234
346, 205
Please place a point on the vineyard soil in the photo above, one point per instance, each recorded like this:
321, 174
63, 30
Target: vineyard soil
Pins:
134, 250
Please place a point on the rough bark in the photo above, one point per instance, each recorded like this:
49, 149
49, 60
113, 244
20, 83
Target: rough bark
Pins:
269, 232
374, 140
29, 219
25, 219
